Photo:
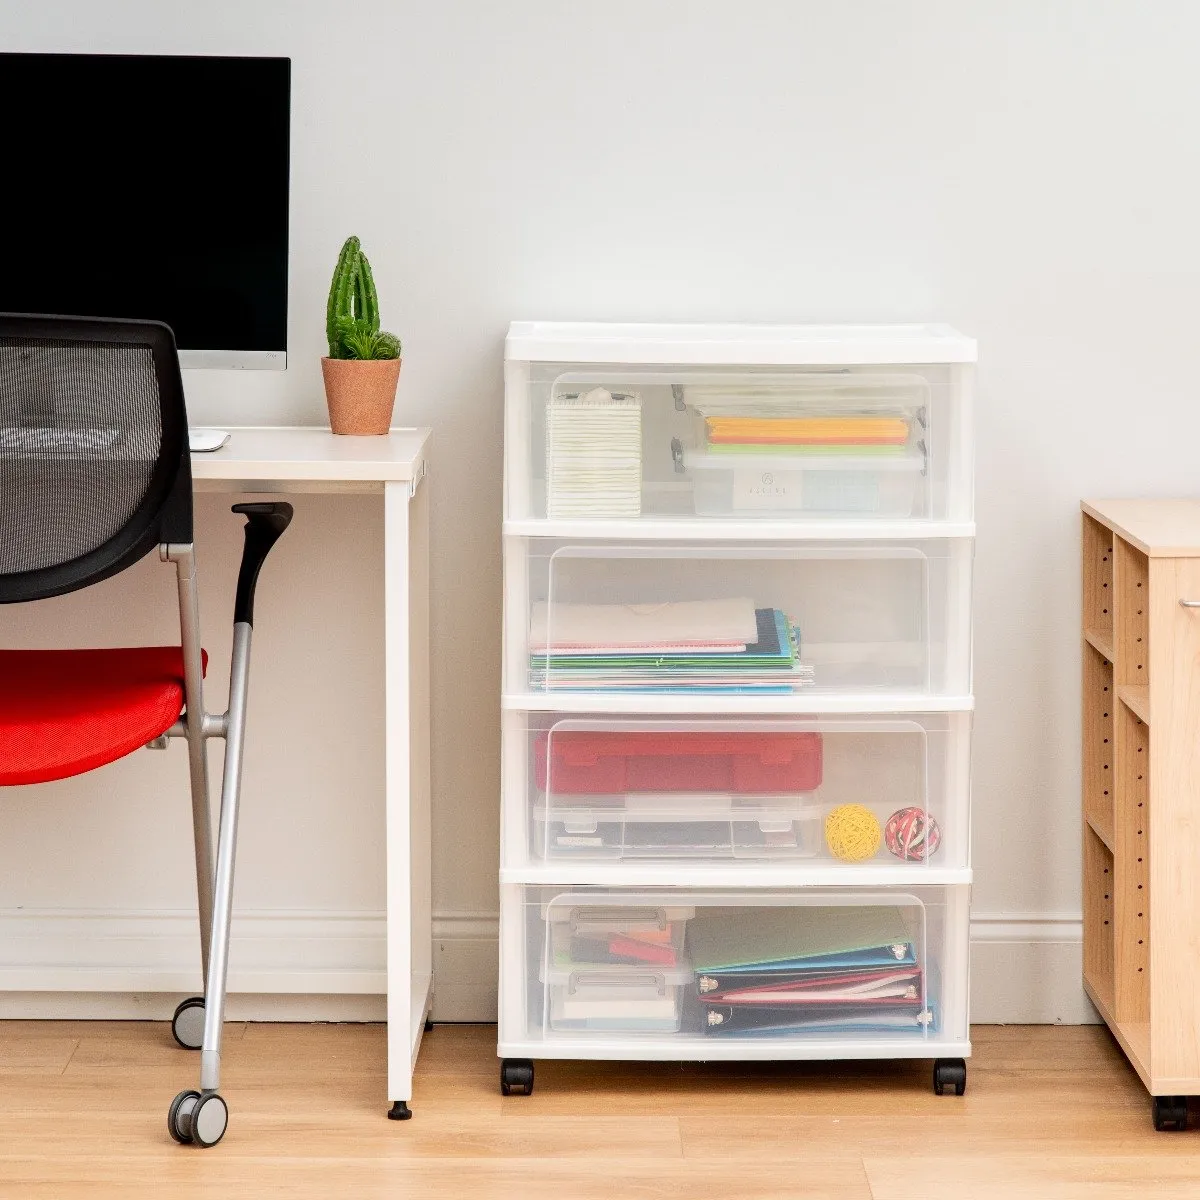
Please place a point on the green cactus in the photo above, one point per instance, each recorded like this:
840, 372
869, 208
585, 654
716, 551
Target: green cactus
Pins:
343, 276
352, 311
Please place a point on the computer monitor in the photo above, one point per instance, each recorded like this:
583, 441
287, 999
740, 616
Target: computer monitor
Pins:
151, 187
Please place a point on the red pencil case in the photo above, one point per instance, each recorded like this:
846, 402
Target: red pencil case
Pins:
586, 762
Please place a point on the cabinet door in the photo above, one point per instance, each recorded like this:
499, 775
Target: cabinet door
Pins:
1173, 807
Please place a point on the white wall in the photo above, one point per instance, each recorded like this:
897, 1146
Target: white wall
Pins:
1023, 170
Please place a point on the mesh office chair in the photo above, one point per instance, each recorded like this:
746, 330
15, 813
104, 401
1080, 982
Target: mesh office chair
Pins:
94, 474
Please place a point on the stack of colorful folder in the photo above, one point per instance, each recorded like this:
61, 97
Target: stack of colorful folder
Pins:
687, 646
807, 970
767, 431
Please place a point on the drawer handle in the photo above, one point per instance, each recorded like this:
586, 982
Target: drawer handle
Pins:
1189, 604
588, 916
598, 979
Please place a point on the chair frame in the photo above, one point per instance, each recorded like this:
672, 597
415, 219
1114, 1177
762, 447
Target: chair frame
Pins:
164, 519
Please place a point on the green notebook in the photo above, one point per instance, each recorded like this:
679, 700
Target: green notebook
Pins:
798, 937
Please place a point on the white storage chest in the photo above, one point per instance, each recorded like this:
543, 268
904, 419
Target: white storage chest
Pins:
735, 811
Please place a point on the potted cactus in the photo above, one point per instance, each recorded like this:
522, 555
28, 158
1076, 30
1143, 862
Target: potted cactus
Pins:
363, 367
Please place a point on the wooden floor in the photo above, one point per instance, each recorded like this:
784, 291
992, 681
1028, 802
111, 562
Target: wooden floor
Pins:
1050, 1112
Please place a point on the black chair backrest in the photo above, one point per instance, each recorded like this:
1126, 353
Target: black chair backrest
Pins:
94, 466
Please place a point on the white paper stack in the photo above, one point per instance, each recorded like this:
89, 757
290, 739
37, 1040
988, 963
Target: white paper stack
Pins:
594, 455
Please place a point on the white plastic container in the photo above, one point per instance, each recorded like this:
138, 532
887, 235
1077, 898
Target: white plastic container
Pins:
869, 617
898, 958
615, 999
678, 370
862, 541
782, 486
912, 772
709, 827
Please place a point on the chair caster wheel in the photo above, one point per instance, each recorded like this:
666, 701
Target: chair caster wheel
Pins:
949, 1072
179, 1116
1170, 1112
209, 1119
516, 1077
400, 1111
188, 1023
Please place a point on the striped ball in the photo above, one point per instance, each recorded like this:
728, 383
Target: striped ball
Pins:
911, 834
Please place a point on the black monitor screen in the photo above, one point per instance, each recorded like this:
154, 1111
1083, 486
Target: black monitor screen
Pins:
151, 187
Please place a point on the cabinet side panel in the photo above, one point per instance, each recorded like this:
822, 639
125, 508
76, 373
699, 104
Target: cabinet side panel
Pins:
1133, 640
1097, 578
1175, 819
1131, 876
1098, 917
1099, 704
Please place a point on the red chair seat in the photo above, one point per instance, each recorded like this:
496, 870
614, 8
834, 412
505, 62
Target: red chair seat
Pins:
63, 712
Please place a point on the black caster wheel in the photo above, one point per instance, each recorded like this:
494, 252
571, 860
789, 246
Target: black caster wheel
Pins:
208, 1120
1170, 1112
428, 1024
188, 1023
399, 1111
949, 1072
516, 1077
179, 1116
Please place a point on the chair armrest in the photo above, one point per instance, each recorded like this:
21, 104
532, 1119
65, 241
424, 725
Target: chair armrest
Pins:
265, 523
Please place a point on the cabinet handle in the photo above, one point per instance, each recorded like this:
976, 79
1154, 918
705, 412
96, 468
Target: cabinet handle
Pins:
1189, 604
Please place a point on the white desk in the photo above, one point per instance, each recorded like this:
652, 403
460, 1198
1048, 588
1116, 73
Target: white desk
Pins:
290, 460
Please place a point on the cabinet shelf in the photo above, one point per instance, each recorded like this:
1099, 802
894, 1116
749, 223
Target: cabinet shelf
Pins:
1101, 643
1136, 698
1102, 829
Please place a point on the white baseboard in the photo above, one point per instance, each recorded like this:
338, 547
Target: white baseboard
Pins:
330, 966
1026, 969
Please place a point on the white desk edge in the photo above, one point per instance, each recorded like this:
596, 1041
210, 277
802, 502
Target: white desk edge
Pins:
310, 458
292, 459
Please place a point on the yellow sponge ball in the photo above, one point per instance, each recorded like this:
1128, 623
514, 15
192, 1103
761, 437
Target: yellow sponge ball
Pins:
852, 832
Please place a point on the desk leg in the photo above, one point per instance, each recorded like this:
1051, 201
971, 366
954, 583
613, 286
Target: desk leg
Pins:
406, 720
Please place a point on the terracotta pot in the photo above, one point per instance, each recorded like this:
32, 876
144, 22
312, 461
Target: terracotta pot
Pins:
360, 394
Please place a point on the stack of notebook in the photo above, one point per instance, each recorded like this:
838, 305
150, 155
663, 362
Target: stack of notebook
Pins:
684, 646
594, 455
764, 972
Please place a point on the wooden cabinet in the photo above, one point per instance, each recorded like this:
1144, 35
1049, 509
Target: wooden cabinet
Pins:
1141, 787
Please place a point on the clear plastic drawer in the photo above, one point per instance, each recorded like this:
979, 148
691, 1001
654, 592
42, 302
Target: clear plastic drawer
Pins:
836, 969
613, 442
839, 791
728, 620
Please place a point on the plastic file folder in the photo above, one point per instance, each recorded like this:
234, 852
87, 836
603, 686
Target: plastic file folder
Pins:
725, 941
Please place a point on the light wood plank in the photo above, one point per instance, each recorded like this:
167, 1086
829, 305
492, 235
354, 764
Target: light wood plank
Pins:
1098, 584
1101, 643
1132, 628
1047, 1109
1099, 933
1174, 832
1099, 740
1134, 1040
1159, 528
1136, 699
1131, 871
1082, 1177
1102, 831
